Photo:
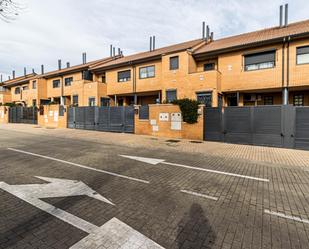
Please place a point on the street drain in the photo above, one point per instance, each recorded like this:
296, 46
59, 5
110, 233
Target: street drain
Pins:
196, 142
172, 141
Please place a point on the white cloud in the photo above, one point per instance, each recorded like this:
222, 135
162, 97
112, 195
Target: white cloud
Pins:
62, 29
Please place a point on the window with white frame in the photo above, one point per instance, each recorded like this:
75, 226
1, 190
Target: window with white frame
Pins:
124, 76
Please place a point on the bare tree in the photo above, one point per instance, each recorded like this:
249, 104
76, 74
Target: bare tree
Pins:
9, 10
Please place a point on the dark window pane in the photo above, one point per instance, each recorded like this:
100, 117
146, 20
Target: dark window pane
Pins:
103, 78
209, 66
34, 84
75, 100
171, 95
205, 98
91, 101
87, 75
124, 76
105, 101
56, 83
302, 55
260, 60
268, 100
298, 100
68, 81
174, 63
17, 90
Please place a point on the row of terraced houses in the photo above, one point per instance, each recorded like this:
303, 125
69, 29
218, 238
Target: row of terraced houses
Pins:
265, 67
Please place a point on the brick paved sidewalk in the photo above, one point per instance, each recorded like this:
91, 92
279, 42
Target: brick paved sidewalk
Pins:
257, 154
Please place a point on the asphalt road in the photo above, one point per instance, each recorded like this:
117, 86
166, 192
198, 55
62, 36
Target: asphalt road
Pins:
62, 193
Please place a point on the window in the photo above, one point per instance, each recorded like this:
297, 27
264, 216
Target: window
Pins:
174, 63
68, 81
209, 66
171, 95
268, 100
302, 54
260, 61
204, 98
232, 99
298, 100
75, 100
25, 88
56, 83
124, 76
91, 101
34, 84
87, 75
105, 101
103, 78
17, 90
147, 72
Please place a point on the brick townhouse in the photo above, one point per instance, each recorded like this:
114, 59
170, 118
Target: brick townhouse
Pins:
264, 67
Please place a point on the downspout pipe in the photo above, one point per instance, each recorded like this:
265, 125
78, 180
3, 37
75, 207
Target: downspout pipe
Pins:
284, 88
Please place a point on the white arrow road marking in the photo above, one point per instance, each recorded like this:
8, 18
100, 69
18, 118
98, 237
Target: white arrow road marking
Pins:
154, 161
199, 195
79, 165
282, 215
32, 193
115, 234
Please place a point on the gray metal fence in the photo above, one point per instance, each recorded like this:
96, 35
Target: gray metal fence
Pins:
144, 112
112, 119
278, 126
26, 115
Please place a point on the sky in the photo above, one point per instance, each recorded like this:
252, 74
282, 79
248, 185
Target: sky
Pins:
48, 30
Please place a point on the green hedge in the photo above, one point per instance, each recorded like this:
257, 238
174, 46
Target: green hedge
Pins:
189, 109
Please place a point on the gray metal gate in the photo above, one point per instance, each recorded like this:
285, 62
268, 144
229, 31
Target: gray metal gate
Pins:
112, 119
26, 115
302, 128
258, 125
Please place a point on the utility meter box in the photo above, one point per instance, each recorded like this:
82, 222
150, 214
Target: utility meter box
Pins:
176, 120
163, 116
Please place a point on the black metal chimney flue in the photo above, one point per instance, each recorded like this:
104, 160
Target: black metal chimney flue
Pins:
111, 50
59, 64
1, 78
286, 15
114, 51
150, 45
203, 31
211, 36
119, 51
68, 64
281, 16
33, 71
13, 74
207, 33
84, 58
153, 43
42, 69
25, 71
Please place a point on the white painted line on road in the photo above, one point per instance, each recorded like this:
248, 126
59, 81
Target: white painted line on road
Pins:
282, 215
115, 234
154, 161
79, 165
199, 195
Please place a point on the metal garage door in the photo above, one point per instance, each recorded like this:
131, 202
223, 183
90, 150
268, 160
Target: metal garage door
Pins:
258, 125
302, 128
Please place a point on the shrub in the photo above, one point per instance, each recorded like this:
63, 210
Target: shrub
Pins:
189, 109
